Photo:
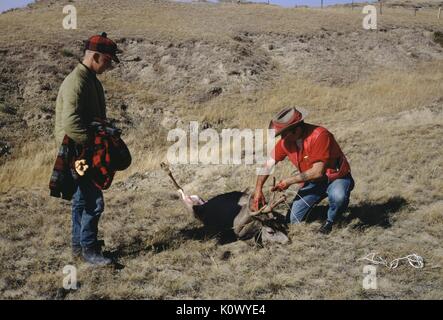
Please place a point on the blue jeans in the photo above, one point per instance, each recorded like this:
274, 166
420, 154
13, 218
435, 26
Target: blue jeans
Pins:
87, 207
338, 193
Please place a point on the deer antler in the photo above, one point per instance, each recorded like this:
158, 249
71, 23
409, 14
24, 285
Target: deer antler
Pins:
277, 202
271, 200
269, 207
272, 203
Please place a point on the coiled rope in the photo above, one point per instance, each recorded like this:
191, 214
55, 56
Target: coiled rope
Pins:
414, 260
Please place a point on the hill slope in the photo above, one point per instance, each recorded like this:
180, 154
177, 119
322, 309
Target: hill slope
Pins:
226, 66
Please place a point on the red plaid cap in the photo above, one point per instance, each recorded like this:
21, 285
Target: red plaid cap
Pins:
102, 44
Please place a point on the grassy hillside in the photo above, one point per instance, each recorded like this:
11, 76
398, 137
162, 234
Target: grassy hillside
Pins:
227, 66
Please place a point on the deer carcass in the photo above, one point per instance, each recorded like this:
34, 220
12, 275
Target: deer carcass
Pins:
231, 212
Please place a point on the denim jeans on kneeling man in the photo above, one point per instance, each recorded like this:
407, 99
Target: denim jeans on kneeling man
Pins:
337, 191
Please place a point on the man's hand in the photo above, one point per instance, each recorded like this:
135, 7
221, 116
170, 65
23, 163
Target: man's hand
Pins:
259, 200
81, 167
281, 185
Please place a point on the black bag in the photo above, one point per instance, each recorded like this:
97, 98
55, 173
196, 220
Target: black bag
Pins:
120, 156
118, 151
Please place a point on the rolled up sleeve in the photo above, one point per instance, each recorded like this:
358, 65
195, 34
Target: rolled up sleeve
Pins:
278, 153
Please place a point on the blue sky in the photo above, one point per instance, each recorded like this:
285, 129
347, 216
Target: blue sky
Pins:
8, 4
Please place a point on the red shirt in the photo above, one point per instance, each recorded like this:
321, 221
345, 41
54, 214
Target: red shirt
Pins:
316, 144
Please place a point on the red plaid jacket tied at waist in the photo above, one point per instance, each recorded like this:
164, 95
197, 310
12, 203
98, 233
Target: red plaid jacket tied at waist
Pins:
105, 153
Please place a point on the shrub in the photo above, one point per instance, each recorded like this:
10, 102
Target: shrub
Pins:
67, 53
438, 37
7, 109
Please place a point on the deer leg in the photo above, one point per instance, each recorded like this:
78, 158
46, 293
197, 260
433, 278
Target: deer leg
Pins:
166, 168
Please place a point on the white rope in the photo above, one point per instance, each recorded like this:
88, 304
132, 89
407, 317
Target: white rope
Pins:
414, 260
372, 258
289, 207
303, 199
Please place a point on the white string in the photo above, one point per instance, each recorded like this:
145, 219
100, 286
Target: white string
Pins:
414, 260
372, 258
303, 199
289, 207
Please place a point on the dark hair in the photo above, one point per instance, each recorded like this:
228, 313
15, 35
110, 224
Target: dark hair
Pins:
299, 125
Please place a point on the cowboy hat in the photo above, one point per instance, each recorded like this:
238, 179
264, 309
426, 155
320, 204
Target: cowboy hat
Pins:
286, 119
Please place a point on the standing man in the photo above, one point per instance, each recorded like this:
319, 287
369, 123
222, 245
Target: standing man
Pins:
323, 168
81, 99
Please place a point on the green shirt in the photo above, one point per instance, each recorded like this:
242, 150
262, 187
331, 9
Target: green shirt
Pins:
80, 99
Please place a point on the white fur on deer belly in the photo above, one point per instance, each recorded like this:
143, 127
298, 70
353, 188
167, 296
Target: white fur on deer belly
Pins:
191, 200
197, 200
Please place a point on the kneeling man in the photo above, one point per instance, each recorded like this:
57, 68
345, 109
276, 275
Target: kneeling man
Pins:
323, 168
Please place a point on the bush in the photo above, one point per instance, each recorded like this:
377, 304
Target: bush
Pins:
7, 109
67, 53
438, 37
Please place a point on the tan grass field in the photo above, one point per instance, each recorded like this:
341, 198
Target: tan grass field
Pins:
380, 93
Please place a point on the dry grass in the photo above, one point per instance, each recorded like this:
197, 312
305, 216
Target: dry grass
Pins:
32, 166
385, 93
346, 110
389, 124
152, 20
